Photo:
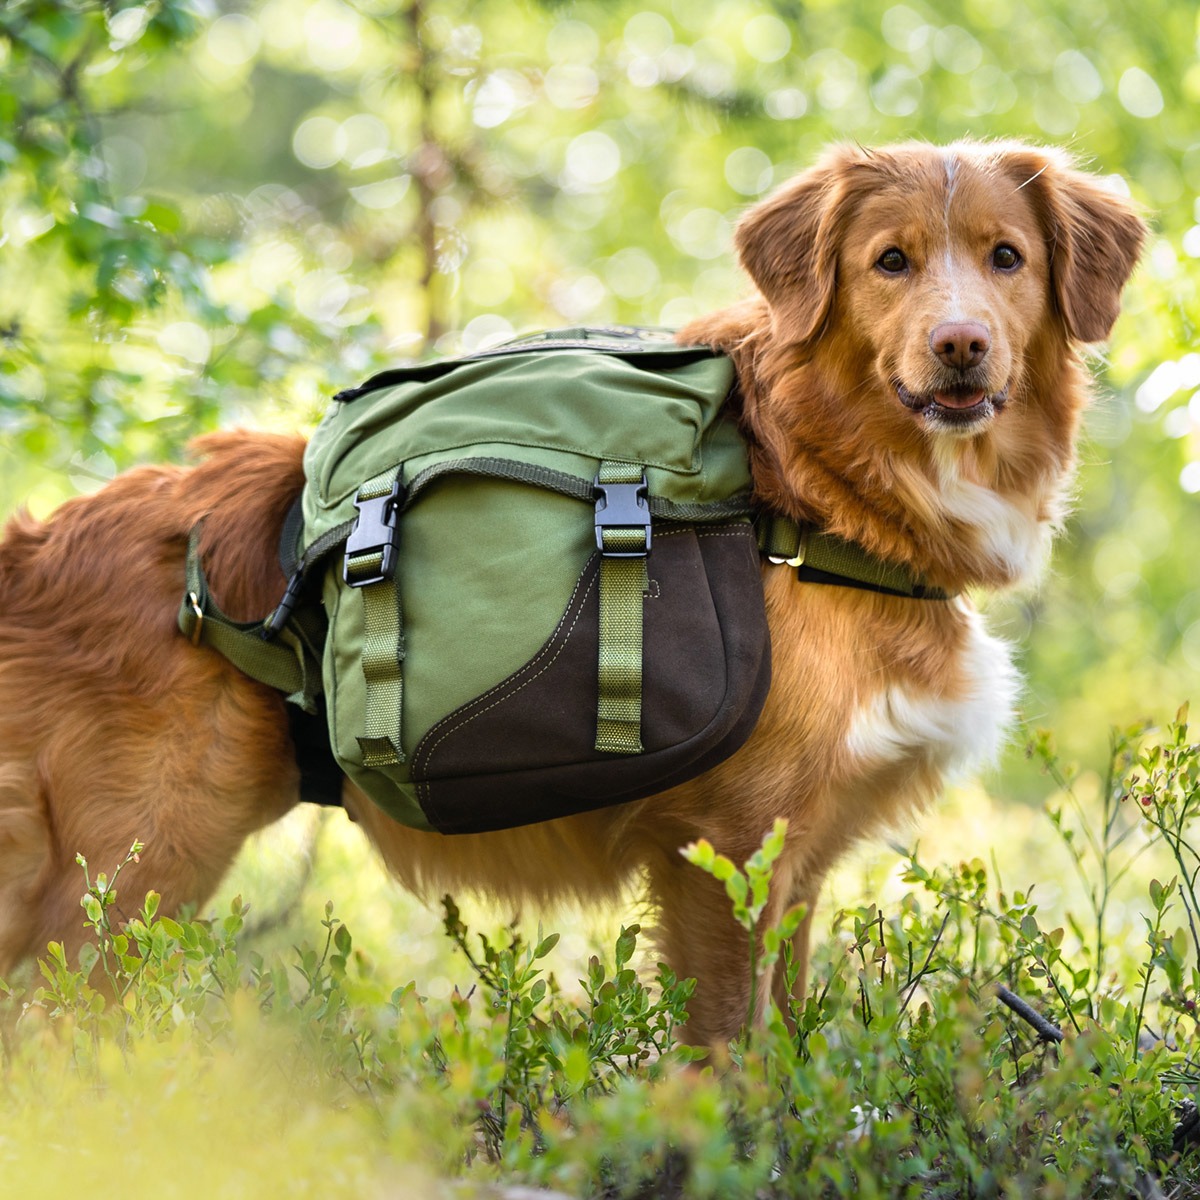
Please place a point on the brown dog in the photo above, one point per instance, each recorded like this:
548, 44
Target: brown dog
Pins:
910, 381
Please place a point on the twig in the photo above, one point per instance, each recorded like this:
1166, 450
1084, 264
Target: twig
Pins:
1046, 1030
925, 965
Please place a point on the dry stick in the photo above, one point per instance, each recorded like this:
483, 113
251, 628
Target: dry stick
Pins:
1046, 1030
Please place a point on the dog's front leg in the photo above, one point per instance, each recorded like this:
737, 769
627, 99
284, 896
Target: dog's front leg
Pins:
801, 946
700, 938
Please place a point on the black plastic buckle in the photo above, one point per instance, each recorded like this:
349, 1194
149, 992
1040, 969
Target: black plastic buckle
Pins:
376, 531
622, 506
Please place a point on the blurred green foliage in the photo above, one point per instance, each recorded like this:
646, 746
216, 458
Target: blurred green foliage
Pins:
214, 212
954, 1043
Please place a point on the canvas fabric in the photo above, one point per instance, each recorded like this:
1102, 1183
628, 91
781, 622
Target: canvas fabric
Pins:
469, 690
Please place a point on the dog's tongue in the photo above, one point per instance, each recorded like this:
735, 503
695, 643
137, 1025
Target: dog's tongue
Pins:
959, 399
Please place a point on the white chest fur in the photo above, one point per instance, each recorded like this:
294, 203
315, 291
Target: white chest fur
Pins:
1006, 533
1006, 528
956, 732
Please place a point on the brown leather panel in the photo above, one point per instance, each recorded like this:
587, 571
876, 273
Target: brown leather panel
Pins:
524, 751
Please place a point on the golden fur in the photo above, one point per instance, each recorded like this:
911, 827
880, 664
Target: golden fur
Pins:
113, 727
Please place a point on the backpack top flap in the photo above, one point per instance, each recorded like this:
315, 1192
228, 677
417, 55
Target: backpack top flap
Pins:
555, 403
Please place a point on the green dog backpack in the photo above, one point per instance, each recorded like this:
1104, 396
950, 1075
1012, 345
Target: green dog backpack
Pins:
539, 576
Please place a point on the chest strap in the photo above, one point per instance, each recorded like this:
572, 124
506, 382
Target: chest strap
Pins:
826, 558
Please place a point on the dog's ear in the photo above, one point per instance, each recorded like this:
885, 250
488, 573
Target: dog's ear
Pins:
1095, 238
788, 245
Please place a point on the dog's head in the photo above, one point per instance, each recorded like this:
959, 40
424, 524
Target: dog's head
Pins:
931, 273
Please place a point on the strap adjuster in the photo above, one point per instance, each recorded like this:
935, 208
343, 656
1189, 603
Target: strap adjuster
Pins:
797, 559
375, 532
622, 509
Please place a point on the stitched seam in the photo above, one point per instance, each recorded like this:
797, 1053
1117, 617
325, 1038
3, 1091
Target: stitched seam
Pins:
465, 719
462, 718
546, 647
334, 682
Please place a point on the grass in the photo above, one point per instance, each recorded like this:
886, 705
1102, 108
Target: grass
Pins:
217, 1059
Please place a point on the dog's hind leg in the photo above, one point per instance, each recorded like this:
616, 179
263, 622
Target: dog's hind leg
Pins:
189, 775
24, 853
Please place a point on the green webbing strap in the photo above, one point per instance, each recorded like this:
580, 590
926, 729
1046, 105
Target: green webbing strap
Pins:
784, 540
623, 584
383, 643
282, 663
778, 537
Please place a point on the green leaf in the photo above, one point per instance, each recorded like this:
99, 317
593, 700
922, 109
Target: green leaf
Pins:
88, 957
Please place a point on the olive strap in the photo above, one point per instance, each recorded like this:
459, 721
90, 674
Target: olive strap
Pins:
623, 539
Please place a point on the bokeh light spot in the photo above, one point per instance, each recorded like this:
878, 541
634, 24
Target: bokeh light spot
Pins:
702, 233
233, 39
767, 38
187, 340
485, 331
900, 26
319, 142
572, 41
956, 50
631, 273
1076, 77
1139, 94
500, 95
383, 193
785, 104
897, 92
749, 171
648, 33
569, 85
333, 41
366, 140
592, 159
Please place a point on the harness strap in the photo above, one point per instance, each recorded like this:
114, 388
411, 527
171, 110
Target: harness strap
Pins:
826, 558
289, 663
372, 571
623, 585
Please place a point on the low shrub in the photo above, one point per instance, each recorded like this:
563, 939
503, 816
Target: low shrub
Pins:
951, 1044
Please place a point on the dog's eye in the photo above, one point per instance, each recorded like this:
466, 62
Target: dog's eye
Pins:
1005, 258
892, 261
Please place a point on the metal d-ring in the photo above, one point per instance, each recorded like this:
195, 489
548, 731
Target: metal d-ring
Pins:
199, 618
799, 557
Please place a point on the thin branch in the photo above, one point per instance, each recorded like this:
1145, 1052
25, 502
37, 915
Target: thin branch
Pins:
925, 965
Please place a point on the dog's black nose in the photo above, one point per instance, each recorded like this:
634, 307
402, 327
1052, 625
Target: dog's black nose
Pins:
961, 344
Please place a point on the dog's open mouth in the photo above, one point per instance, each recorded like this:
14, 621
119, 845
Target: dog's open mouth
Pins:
959, 406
